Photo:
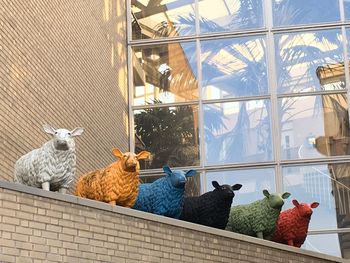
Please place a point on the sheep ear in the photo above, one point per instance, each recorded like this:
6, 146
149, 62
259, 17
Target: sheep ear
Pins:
143, 155
48, 129
314, 204
295, 203
266, 193
117, 153
77, 131
215, 184
285, 195
190, 173
167, 170
236, 187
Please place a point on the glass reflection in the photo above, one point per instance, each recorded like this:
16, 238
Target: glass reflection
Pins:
326, 244
326, 184
309, 61
170, 134
234, 67
229, 15
296, 12
314, 126
254, 181
166, 18
165, 73
236, 132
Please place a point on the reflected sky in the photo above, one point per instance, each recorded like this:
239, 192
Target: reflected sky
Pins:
236, 132
230, 15
253, 182
299, 55
234, 67
327, 244
296, 12
307, 124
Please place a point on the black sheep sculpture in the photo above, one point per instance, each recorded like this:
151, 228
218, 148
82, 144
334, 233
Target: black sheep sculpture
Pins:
212, 208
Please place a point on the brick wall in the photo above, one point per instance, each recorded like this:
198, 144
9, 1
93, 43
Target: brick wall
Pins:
38, 226
62, 62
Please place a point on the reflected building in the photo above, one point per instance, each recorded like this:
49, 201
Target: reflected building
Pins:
251, 92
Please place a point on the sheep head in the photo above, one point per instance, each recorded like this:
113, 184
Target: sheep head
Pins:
63, 138
304, 209
178, 178
130, 161
225, 190
276, 200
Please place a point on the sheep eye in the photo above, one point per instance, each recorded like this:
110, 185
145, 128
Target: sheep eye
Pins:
56, 132
69, 133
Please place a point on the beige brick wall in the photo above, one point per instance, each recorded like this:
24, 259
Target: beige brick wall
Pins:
64, 63
38, 226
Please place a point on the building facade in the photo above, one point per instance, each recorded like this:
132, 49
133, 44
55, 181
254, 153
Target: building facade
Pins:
245, 91
251, 92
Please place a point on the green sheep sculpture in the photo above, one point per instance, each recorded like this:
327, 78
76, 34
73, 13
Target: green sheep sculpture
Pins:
259, 218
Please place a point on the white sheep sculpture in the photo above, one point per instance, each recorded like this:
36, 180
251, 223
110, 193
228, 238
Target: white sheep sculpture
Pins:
52, 166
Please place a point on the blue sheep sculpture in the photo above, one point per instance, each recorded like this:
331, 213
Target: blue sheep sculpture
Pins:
212, 208
165, 195
259, 218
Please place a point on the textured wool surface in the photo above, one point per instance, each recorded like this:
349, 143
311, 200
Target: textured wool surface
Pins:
117, 183
212, 208
293, 224
53, 163
46, 164
258, 217
165, 195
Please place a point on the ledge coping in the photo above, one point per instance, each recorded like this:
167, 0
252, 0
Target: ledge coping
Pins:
161, 219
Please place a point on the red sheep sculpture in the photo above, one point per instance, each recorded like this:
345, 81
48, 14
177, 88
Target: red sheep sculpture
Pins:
293, 224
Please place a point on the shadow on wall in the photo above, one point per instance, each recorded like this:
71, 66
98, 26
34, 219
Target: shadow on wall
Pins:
63, 64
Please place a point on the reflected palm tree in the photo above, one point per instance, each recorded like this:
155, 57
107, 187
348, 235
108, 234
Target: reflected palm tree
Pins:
169, 134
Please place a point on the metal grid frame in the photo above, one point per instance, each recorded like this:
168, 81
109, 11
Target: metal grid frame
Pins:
269, 31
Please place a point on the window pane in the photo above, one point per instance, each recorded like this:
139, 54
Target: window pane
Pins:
165, 73
192, 188
170, 134
326, 244
347, 9
314, 126
230, 15
234, 67
309, 61
236, 132
326, 184
167, 18
296, 12
253, 182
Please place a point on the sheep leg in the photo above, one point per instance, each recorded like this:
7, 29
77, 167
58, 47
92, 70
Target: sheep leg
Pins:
45, 186
62, 190
290, 242
260, 235
112, 202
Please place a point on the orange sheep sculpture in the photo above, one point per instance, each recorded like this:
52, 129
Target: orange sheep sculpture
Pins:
117, 184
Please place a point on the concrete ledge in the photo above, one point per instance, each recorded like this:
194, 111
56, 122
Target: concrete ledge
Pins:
161, 219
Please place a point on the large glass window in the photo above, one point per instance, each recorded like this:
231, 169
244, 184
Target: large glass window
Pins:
253, 182
314, 126
236, 132
248, 98
307, 61
296, 12
165, 73
234, 67
229, 15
